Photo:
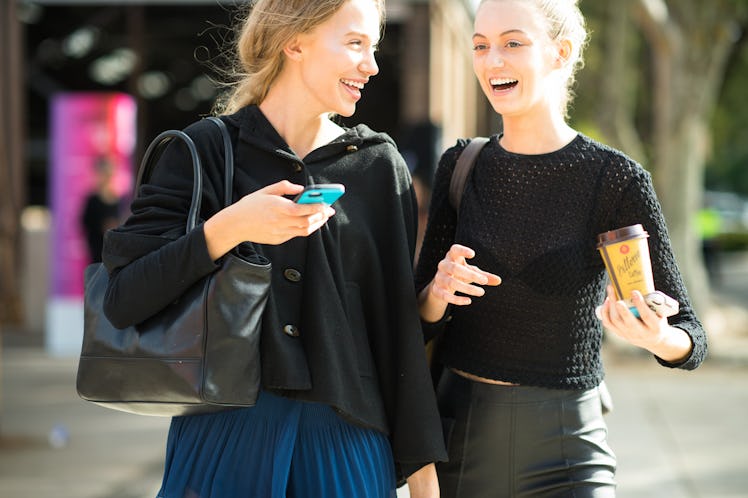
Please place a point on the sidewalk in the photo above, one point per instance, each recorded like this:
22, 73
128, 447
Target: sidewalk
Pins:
676, 434
97, 453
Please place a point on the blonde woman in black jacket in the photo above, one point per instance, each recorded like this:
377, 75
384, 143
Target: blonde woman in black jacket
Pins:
347, 405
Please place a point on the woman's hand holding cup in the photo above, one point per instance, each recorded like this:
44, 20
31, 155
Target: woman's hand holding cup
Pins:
649, 330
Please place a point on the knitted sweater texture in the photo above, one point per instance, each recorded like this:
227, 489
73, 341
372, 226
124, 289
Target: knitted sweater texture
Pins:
534, 221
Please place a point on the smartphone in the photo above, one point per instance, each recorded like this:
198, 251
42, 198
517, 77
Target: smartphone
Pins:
659, 302
662, 304
326, 193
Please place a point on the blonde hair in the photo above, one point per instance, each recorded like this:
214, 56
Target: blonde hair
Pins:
265, 30
565, 21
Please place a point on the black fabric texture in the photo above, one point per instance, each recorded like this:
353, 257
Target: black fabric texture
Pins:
534, 221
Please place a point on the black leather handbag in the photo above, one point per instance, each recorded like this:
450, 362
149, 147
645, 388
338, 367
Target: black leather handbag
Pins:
199, 354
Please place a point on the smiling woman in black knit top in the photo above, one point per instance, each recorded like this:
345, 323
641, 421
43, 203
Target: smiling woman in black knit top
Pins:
523, 357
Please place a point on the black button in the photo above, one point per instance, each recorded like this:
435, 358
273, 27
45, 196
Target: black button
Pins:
292, 275
291, 330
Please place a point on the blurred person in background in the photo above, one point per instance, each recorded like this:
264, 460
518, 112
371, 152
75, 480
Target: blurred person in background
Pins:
420, 148
102, 209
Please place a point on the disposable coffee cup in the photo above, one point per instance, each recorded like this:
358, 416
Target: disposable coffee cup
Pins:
625, 252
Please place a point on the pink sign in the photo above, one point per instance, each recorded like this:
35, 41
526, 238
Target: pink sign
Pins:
88, 130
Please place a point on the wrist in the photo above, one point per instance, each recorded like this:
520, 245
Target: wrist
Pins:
218, 238
431, 308
674, 345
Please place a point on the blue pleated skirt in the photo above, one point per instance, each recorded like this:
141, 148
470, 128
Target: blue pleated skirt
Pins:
279, 448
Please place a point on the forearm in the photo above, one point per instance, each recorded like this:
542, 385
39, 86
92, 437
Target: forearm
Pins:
144, 286
424, 483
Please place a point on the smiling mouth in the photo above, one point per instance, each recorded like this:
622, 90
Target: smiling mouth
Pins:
502, 83
353, 84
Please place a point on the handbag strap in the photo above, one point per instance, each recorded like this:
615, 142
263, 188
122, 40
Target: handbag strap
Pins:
228, 154
157, 146
464, 166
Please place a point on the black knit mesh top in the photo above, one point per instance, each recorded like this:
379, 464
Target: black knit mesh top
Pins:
534, 221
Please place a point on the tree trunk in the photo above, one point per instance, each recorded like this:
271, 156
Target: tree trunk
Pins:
616, 119
12, 179
689, 53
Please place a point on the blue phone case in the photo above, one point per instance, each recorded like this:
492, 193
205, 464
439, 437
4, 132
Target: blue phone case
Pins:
320, 193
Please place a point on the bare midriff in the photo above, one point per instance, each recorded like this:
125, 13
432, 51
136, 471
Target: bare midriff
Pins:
484, 380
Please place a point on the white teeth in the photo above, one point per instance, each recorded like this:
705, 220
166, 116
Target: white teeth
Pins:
354, 84
501, 81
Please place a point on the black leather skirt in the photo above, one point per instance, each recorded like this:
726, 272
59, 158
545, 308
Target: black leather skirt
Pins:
518, 441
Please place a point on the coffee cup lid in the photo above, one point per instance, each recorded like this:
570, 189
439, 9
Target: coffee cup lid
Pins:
625, 233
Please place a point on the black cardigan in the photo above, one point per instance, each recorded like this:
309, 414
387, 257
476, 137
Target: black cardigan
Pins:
347, 290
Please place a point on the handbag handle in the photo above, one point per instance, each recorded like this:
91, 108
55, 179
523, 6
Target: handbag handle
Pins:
156, 147
228, 154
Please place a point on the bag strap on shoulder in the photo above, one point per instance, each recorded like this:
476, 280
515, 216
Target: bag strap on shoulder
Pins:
464, 166
156, 147
228, 154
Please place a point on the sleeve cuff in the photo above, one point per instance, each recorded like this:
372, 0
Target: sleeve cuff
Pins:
433, 329
200, 247
408, 469
687, 363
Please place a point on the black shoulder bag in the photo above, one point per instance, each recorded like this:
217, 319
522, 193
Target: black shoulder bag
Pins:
199, 354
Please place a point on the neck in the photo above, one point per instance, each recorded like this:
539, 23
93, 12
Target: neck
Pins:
536, 135
303, 129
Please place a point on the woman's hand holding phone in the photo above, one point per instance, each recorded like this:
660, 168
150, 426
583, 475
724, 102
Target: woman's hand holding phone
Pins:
265, 216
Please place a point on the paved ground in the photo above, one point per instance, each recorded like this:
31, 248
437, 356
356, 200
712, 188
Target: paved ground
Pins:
677, 434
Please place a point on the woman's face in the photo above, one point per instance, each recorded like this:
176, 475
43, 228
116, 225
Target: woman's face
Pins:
337, 57
514, 58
